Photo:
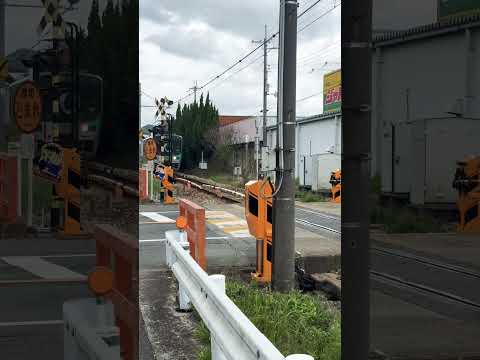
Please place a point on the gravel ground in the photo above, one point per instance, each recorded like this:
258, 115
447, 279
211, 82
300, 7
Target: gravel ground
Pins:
99, 205
198, 196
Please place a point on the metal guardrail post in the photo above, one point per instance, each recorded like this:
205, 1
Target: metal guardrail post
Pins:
90, 331
184, 301
219, 282
233, 336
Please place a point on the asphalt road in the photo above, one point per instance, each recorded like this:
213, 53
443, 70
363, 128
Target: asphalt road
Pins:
423, 307
31, 301
164, 333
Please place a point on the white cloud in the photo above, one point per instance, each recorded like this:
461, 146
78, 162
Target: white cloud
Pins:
187, 41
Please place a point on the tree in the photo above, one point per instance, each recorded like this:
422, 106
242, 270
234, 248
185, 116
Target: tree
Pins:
110, 50
195, 123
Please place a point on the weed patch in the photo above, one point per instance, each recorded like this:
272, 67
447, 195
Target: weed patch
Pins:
295, 323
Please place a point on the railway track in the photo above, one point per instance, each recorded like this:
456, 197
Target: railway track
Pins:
112, 178
236, 196
435, 284
432, 282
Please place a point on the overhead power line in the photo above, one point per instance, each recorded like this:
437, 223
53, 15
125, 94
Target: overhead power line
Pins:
310, 96
236, 72
309, 8
318, 18
247, 55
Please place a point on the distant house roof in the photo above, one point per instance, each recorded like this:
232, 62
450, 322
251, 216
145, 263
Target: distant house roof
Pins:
434, 29
230, 119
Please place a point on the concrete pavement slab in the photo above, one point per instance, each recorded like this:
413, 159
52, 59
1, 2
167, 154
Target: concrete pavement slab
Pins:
405, 331
454, 248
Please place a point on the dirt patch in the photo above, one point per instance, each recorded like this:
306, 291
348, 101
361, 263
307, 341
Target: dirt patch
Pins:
171, 333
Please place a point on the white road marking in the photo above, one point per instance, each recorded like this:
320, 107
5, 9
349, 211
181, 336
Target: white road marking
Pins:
30, 323
163, 240
241, 234
211, 215
44, 269
228, 224
152, 240
66, 256
158, 218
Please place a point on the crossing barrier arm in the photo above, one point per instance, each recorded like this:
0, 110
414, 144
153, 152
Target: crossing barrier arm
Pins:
232, 332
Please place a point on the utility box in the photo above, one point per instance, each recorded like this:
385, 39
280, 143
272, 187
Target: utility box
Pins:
322, 167
237, 170
437, 145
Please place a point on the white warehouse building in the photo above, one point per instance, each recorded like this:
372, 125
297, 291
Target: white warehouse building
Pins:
318, 149
426, 108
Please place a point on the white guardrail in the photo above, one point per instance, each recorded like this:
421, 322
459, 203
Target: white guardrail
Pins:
233, 336
89, 330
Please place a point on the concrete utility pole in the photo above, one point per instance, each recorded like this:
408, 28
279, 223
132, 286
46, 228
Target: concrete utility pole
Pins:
265, 89
283, 264
263, 143
3, 100
356, 102
2, 29
195, 89
139, 106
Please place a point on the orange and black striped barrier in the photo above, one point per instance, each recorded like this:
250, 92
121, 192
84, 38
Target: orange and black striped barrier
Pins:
259, 215
8, 188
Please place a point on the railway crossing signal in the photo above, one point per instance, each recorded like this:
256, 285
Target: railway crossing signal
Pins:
53, 16
162, 106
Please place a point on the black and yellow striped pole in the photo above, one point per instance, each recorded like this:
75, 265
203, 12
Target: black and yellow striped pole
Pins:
167, 183
69, 190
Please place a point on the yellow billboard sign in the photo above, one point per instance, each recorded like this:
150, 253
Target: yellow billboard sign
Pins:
332, 91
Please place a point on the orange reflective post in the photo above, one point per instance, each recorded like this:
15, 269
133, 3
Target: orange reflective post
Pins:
119, 252
194, 216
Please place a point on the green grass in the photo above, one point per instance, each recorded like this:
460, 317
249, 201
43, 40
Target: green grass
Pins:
226, 180
402, 220
376, 185
308, 196
295, 323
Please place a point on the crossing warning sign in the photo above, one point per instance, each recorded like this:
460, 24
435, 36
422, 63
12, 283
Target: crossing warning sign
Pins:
28, 107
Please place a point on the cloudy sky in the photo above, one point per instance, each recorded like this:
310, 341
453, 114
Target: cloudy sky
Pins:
21, 22
183, 41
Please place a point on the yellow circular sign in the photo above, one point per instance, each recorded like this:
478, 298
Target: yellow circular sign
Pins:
28, 107
150, 149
